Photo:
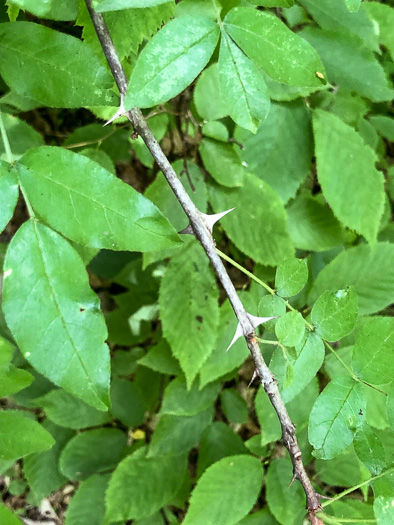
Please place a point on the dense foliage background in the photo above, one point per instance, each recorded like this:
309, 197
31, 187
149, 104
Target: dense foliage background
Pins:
119, 399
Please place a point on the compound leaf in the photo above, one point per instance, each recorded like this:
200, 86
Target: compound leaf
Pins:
282, 54
242, 86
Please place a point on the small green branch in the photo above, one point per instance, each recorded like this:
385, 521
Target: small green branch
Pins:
246, 272
4, 136
352, 489
260, 282
333, 520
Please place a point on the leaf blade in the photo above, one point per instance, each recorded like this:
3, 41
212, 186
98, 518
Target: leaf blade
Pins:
97, 210
178, 51
63, 313
56, 69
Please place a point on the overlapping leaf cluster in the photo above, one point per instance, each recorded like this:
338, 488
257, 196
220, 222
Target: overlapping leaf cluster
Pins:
278, 108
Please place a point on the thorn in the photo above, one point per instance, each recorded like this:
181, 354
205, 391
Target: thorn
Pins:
253, 378
255, 321
119, 113
292, 480
237, 335
187, 230
208, 220
321, 496
211, 220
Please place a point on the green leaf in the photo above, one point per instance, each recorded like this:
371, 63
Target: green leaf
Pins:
281, 151
242, 86
226, 491
383, 125
370, 449
383, 508
373, 350
344, 471
220, 362
46, 279
56, 69
179, 401
334, 14
267, 418
171, 61
8, 193
353, 5
141, 485
41, 469
127, 403
160, 359
96, 210
349, 64
344, 182
209, 106
91, 452
384, 15
278, 492
189, 309
70, 412
291, 277
310, 357
273, 3
7, 516
334, 314
116, 5
51, 9
145, 22
12, 379
21, 435
215, 130
88, 503
234, 406
312, 225
282, 54
259, 211
218, 441
21, 137
335, 417
160, 193
222, 162
261, 517
290, 329
368, 270
178, 434
390, 405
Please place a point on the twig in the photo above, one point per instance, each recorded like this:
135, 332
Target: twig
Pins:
204, 236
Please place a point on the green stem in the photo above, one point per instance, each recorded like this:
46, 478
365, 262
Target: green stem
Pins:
246, 272
338, 521
352, 489
4, 136
259, 281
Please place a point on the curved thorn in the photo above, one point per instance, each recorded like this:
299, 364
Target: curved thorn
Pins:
188, 230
